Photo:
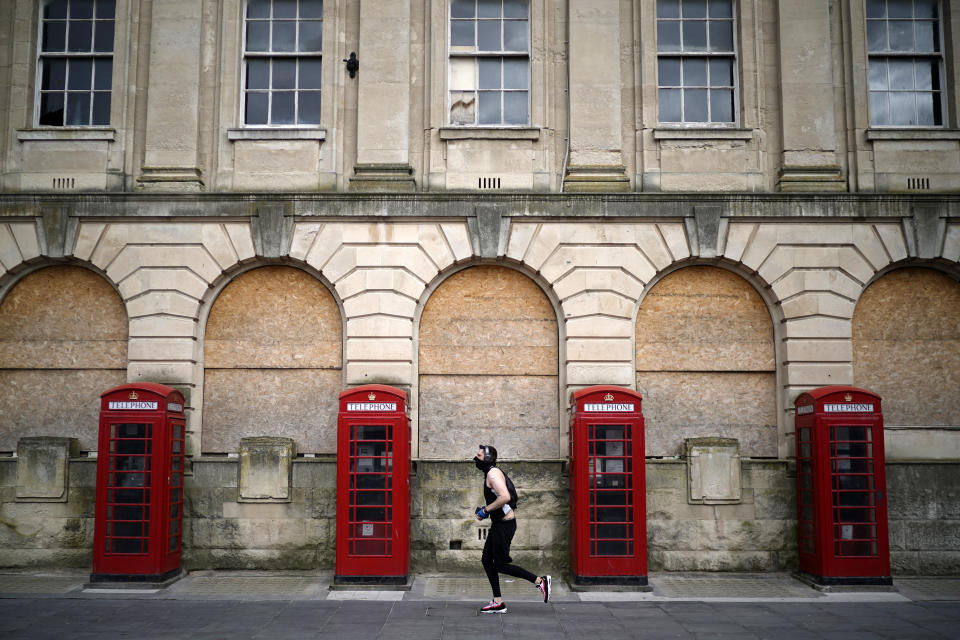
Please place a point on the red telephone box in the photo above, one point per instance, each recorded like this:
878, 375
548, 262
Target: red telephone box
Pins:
841, 487
373, 486
608, 512
139, 508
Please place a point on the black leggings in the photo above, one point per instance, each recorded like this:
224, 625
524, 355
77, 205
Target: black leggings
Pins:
496, 555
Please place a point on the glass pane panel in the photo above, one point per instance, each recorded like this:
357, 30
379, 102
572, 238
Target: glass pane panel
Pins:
694, 8
721, 105
488, 8
694, 36
668, 72
925, 110
311, 36
515, 36
721, 36
670, 101
515, 107
310, 73
256, 108
515, 9
258, 36
901, 35
721, 9
78, 109
695, 73
695, 105
879, 109
103, 37
721, 72
489, 73
80, 36
668, 36
462, 9
668, 8
80, 75
311, 9
876, 8
901, 75
461, 33
51, 109
878, 75
54, 36
54, 75
81, 9
490, 107
284, 36
103, 70
877, 35
101, 109
488, 35
899, 8
258, 74
284, 8
106, 9
55, 9
925, 37
515, 74
925, 9
284, 73
927, 75
258, 8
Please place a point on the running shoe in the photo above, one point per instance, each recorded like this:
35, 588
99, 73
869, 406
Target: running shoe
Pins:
544, 587
495, 607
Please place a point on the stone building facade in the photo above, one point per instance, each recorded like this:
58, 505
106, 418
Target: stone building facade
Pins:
719, 204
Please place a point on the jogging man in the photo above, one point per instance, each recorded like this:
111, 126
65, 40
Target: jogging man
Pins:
500, 503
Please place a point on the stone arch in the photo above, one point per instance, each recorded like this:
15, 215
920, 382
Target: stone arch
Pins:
273, 361
488, 366
906, 346
63, 342
705, 362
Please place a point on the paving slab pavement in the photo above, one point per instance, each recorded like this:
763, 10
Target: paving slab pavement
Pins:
279, 605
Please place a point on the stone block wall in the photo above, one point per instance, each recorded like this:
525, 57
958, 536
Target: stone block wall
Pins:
924, 517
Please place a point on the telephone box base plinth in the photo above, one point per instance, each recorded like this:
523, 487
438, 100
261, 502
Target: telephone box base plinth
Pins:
360, 583
610, 583
134, 581
831, 584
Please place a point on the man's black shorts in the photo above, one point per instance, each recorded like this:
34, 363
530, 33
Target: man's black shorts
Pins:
499, 538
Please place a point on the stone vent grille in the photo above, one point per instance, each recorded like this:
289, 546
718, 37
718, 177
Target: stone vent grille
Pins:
63, 184
488, 183
918, 184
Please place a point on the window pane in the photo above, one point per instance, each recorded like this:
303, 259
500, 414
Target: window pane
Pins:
903, 109
78, 109
81, 9
925, 37
79, 76
515, 35
462, 73
51, 109
311, 71
695, 72
926, 71
878, 75
80, 36
721, 72
54, 75
103, 37
515, 109
488, 8
901, 75
488, 35
101, 108
515, 9
901, 35
490, 73
282, 109
54, 36
668, 8
310, 107
311, 35
461, 33
721, 36
106, 9
311, 9
694, 8
258, 36
489, 107
695, 105
721, 9
925, 109
721, 105
899, 8
284, 36
925, 9
258, 74
668, 36
670, 101
284, 8
515, 75
668, 72
694, 36
877, 35
462, 9
256, 109
55, 9
103, 74
258, 8
876, 8
284, 74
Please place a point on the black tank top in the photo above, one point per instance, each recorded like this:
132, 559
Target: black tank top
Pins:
489, 496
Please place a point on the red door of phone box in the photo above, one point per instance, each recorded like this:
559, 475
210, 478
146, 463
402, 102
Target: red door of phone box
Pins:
139, 501
608, 514
841, 487
373, 486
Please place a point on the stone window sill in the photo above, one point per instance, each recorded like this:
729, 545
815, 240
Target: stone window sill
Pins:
701, 133
270, 133
490, 133
66, 133
913, 134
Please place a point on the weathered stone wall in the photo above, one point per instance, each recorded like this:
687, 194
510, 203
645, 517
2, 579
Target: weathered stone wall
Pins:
924, 518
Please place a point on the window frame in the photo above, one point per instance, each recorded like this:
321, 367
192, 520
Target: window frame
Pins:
476, 55
41, 57
270, 56
915, 56
733, 55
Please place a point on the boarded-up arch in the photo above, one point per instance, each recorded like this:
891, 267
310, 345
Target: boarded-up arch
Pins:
906, 346
488, 360
272, 362
706, 363
63, 342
